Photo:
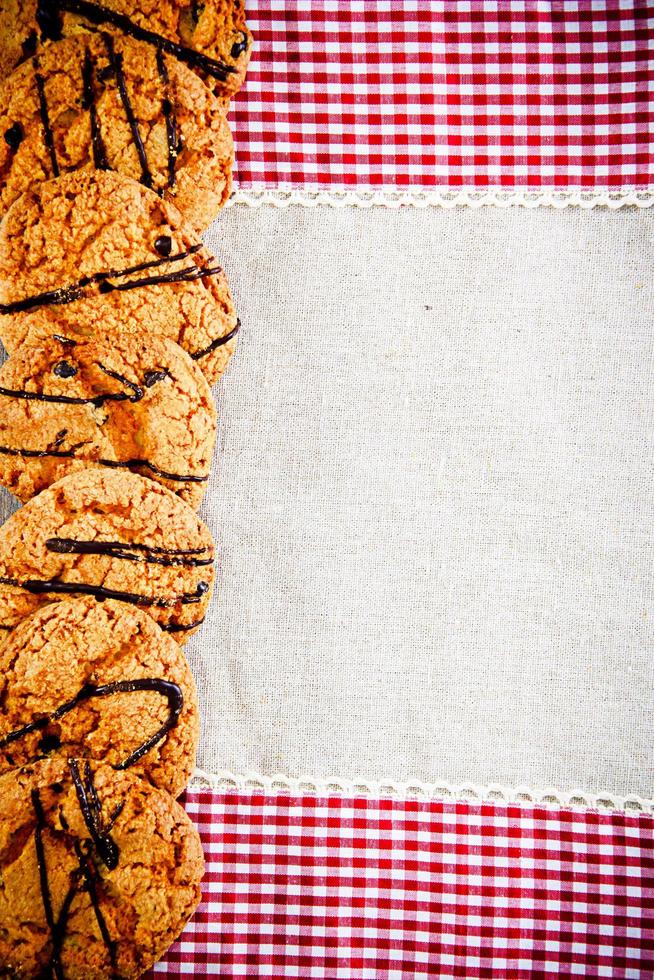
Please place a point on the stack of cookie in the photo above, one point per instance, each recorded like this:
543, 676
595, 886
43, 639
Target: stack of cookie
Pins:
115, 154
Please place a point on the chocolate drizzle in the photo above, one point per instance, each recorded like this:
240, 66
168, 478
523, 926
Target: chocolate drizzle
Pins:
60, 928
175, 627
116, 62
116, 464
48, 17
91, 808
55, 964
97, 142
89, 881
45, 119
98, 14
83, 877
130, 552
134, 394
146, 464
137, 392
172, 136
59, 587
36, 453
183, 275
60, 296
219, 342
171, 692
74, 291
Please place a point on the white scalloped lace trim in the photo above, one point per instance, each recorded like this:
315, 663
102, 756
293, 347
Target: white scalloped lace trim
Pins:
417, 198
252, 782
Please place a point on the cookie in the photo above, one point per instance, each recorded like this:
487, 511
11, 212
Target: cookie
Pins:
95, 101
100, 872
95, 250
120, 403
110, 536
102, 681
210, 36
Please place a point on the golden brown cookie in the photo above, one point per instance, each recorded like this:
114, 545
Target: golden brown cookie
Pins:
105, 102
210, 36
100, 872
108, 535
97, 251
120, 403
99, 680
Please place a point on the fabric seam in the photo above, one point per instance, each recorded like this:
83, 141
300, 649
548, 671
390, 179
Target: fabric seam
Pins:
253, 782
420, 198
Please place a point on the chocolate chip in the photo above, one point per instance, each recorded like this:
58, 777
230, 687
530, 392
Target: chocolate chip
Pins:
14, 136
64, 370
49, 743
151, 377
239, 47
29, 44
163, 245
197, 9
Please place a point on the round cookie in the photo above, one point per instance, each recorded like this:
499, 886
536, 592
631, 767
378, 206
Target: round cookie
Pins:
96, 250
102, 681
100, 872
110, 536
121, 403
211, 36
111, 103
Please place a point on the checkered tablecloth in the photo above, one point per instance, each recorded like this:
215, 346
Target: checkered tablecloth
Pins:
347, 887
447, 94
431, 94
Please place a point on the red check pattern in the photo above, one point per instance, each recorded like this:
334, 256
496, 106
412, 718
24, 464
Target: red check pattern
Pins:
433, 94
339, 887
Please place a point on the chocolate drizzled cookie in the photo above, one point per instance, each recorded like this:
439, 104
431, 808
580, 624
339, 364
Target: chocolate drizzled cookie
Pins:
209, 36
97, 100
108, 535
100, 871
128, 403
99, 680
96, 251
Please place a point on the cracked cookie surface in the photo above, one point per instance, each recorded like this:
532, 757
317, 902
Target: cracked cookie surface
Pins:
119, 403
94, 250
210, 36
100, 872
95, 101
102, 681
110, 536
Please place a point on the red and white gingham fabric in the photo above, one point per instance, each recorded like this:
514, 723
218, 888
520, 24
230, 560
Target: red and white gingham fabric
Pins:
346, 887
429, 93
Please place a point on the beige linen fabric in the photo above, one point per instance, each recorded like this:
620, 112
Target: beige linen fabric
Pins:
432, 495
